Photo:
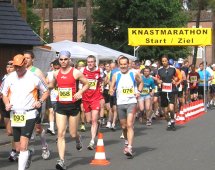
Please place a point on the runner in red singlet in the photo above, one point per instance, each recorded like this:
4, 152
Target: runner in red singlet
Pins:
68, 103
91, 98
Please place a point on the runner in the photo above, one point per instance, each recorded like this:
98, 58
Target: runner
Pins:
68, 104
145, 96
52, 100
81, 66
212, 102
114, 69
193, 79
91, 98
126, 100
106, 95
6, 115
20, 97
29, 58
154, 74
167, 78
207, 76
179, 87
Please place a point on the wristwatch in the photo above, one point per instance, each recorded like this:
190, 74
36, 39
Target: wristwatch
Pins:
41, 101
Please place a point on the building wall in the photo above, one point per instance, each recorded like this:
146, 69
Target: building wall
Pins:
208, 48
7, 52
63, 30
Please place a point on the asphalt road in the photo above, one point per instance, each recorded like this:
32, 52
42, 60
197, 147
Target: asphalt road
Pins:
191, 147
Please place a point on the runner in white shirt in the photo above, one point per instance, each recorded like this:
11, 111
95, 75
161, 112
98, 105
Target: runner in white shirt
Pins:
20, 96
126, 94
52, 100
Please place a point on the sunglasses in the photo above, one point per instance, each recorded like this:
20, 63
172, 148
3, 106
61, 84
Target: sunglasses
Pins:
63, 59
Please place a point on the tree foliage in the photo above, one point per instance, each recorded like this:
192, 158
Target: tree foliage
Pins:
113, 18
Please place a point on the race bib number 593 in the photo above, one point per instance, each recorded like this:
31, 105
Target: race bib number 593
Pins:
18, 120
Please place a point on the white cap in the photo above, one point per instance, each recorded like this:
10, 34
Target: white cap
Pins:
147, 63
154, 65
180, 60
213, 65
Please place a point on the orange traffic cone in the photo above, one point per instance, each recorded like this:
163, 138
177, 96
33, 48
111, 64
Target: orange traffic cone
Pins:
100, 158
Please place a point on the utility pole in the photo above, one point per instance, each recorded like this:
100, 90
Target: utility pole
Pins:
213, 36
200, 6
89, 21
51, 21
75, 20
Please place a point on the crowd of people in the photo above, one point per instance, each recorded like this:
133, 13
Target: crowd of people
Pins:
121, 91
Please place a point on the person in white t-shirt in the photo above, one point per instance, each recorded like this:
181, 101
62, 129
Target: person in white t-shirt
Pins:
20, 97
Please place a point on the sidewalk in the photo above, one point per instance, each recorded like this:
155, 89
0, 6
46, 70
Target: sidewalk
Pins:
4, 139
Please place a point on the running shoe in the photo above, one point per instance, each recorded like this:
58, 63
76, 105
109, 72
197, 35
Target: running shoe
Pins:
45, 153
103, 122
28, 164
122, 136
82, 127
13, 156
91, 146
148, 123
172, 126
108, 125
168, 127
113, 127
128, 152
79, 144
60, 165
51, 132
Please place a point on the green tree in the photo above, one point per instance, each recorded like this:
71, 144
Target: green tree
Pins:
34, 22
113, 18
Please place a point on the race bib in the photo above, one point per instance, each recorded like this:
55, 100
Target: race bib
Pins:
18, 119
65, 94
156, 89
201, 81
167, 87
127, 91
145, 91
193, 79
92, 84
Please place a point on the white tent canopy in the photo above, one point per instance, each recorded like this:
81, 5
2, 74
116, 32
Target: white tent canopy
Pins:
80, 50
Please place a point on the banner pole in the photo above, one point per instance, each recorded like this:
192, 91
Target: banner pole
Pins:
205, 95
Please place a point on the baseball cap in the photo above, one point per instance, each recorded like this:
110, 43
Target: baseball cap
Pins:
171, 61
213, 65
178, 65
154, 65
18, 60
147, 63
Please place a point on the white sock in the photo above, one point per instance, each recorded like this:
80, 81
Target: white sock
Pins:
92, 141
43, 139
51, 126
23, 157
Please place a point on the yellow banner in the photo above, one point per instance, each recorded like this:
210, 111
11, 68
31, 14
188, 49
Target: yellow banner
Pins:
169, 36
